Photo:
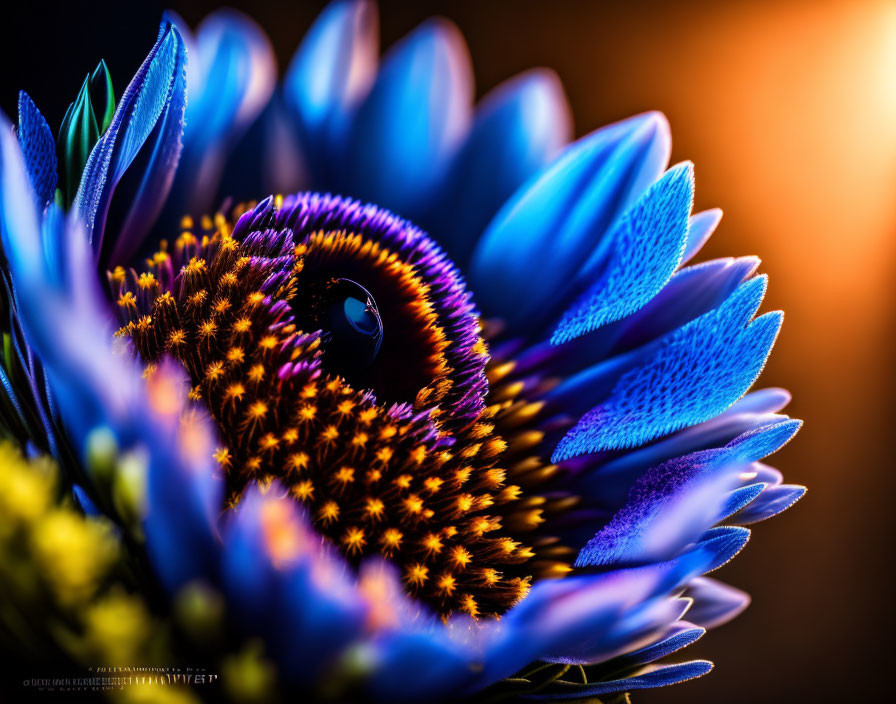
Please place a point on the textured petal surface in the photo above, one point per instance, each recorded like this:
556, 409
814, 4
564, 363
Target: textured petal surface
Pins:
147, 100
536, 245
676, 501
723, 543
739, 498
645, 249
619, 473
153, 174
38, 149
670, 507
693, 374
412, 121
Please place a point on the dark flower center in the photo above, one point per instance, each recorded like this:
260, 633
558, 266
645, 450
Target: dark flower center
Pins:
338, 351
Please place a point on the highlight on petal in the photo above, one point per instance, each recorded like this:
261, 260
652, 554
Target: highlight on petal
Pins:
715, 603
741, 497
688, 377
763, 441
679, 635
649, 677
519, 128
19, 219
561, 218
412, 121
38, 149
744, 416
700, 229
645, 246
184, 489
235, 77
669, 508
569, 618
332, 70
722, 544
772, 501
151, 108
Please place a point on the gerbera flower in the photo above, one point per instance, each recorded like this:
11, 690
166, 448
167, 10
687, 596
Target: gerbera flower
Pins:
325, 450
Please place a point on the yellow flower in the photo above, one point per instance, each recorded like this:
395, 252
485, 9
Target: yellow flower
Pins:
74, 553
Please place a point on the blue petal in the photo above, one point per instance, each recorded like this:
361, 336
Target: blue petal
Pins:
701, 227
668, 508
610, 481
690, 293
147, 185
739, 498
567, 617
646, 245
715, 603
693, 374
762, 442
332, 70
520, 127
771, 502
650, 677
149, 99
268, 159
770, 400
411, 666
236, 77
84, 501
184, 497
723, 544
535, 246
19, 219
38, 149
679, 635
246, 570
289, 591
412, 121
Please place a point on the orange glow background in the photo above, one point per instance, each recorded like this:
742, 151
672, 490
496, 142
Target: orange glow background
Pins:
788, 110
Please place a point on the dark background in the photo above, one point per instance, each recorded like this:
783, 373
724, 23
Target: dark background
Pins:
788, 110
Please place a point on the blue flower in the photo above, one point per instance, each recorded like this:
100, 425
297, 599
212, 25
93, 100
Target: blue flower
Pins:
498, 457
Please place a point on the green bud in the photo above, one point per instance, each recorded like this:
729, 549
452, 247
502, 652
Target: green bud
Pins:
77, 136
80, 130
102, 94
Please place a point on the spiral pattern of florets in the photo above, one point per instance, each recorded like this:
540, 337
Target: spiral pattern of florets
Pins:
401, 460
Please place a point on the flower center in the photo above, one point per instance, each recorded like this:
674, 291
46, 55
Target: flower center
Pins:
338, 351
